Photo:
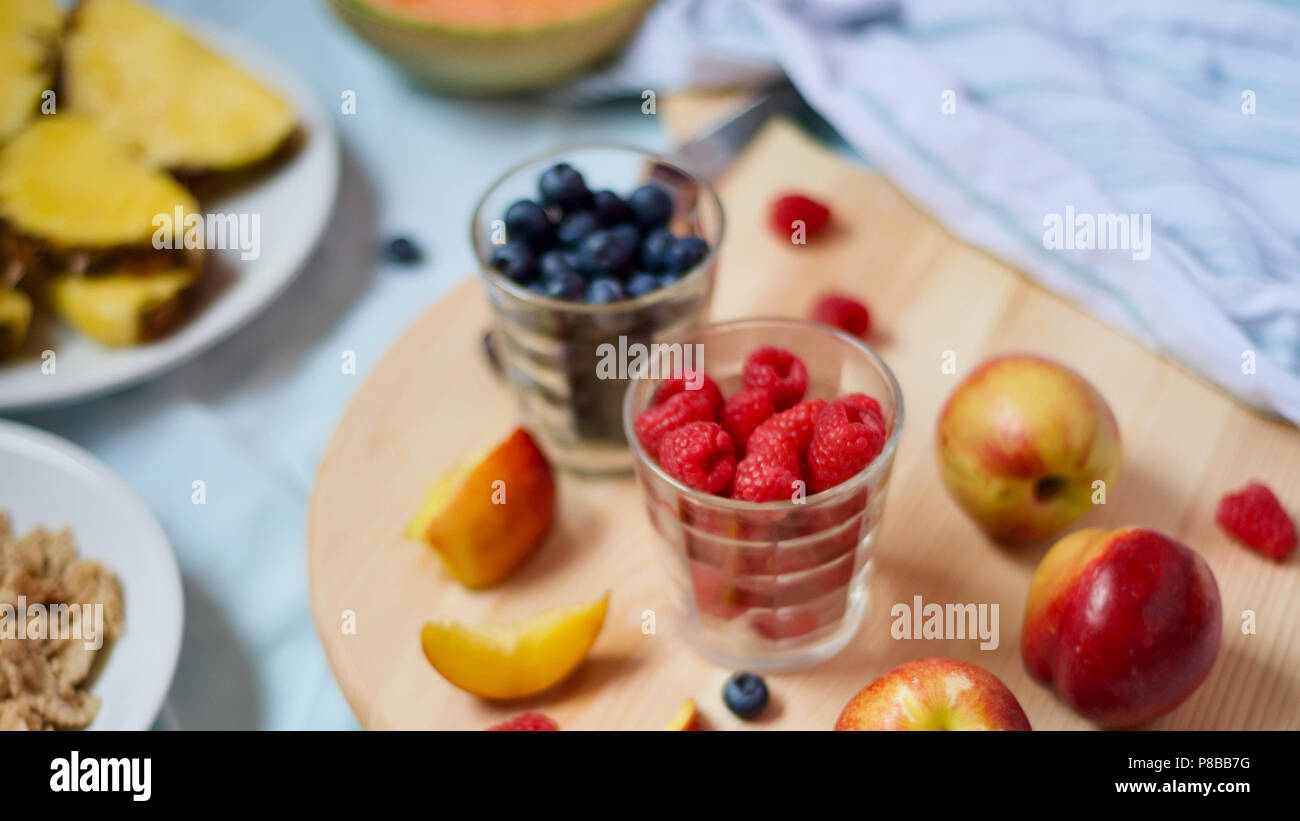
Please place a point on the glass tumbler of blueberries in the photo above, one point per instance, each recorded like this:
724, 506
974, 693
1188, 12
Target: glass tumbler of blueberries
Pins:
586, 253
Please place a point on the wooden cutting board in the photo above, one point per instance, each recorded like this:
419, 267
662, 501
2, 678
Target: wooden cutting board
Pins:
433, 398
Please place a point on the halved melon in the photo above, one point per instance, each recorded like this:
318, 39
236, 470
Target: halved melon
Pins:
122, 308
67, 183
145, 80
29, 30
15, 318
493, 46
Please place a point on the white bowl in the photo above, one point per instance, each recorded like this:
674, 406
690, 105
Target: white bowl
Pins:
45, 480
294, 204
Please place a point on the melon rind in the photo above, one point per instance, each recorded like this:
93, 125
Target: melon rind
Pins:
476, 61
29, 31
156, 88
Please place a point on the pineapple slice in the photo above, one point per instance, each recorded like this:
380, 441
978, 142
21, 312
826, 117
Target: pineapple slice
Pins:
122, 309
66, 182
156, 88
15, 317
29, 30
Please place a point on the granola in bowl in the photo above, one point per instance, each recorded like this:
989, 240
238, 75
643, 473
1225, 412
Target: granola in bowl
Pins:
59, 614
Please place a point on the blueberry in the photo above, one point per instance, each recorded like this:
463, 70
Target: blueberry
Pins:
654, 249
642, 284
603, 254
569, 286
652, 205
563, 187
604, 290
611, 209
684, 254
574, 228
527, 221
515, 260
555, 264
667, 279
745, 695
402, 251
629, 234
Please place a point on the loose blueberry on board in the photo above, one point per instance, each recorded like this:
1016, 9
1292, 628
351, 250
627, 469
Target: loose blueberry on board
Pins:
611, 209
515, 260
641, 284
745, 695
575, 227
527, 221
604, 290
654, 249
562, 186
603, 254
569, 286
652, 205
402, 251
685, 253
555, 263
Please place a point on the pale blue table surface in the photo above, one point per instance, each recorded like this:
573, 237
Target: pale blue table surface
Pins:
252, 416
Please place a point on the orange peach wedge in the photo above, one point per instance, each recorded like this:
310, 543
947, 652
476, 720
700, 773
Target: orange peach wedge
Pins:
488, 515
687, 718
501, 661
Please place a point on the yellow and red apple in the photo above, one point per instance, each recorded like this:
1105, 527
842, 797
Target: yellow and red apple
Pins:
1123, 623
487, 515
1021, 442
934, 694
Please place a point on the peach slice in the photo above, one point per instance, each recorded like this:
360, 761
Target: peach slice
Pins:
687, 717
501, 661
487, 515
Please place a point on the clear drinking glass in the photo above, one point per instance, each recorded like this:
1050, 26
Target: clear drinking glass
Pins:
550, 348
772, 586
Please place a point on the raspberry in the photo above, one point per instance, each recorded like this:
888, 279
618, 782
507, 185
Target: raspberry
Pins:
679, 383
1254, 517
527, 721
867, 405
699, 454
843, 312
757, 480
780, 371
791, 207
845, 440
652, 423
745, 410
790, 430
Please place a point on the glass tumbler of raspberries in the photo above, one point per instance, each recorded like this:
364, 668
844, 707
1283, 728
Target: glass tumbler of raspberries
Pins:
589, 255
779, 583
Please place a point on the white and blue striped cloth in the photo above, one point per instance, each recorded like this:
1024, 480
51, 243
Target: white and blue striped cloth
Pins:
994, 115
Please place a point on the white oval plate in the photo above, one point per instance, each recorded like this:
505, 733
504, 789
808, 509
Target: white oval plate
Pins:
47, 481
294, 203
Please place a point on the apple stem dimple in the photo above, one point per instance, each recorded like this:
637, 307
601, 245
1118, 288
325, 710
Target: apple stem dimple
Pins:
1048, 488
